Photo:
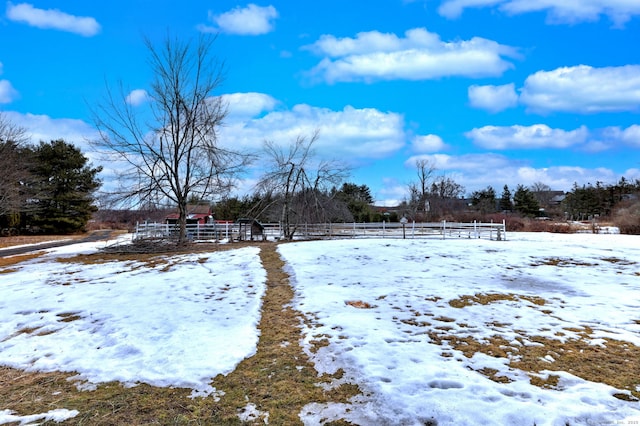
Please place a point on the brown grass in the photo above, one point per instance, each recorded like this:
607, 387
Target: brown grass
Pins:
36, 239
279, 379
556, 261
6, 262
488, 298
614, 363
359, 304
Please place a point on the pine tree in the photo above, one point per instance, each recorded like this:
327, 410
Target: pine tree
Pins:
484, 200
525, 202
62, 188
506, 205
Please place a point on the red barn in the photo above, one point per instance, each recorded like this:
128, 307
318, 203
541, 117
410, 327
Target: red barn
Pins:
196, 214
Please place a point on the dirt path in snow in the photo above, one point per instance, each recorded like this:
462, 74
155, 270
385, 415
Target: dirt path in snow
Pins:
273, 385
279, 380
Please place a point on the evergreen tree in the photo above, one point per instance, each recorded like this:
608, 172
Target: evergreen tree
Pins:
62, 188
505, 200
358, 200
484, 200
525, 202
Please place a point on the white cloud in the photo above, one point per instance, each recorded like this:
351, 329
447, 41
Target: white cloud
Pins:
52, 19
468, 162
137, 97
629, 136
351, 135
45, 128
391, 193
7, 93
247, 105
583, 89
493, 98
526, 137
477, 171
250, 20
419, 55
428, 143
559, 11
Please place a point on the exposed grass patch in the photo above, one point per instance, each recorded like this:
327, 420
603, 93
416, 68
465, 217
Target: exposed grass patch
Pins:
556, 261
617, 260
278, 380
6, 262
24, 330
69, 316
614, 363
415, 323
492, 374
487, 298
359, 304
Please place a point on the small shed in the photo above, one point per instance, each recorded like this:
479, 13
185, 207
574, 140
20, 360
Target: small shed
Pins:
197, 214
251, 227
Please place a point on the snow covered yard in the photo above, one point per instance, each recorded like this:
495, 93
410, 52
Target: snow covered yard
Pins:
541, 328
178, 321
474, 331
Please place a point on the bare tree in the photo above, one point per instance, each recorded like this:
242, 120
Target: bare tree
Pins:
14, 166
444, 196
299, 183
419, 190
173, 154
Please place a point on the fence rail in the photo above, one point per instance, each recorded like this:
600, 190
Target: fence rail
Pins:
273, 231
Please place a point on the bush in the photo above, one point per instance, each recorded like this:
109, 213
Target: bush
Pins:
549, 226
627, 218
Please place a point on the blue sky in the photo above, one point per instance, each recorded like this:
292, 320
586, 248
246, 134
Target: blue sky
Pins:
491, 92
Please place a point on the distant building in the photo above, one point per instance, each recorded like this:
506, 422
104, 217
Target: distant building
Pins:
196, 214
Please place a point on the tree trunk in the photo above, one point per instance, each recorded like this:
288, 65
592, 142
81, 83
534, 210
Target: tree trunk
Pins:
182, 223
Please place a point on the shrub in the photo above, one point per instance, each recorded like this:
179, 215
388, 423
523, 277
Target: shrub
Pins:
627, 218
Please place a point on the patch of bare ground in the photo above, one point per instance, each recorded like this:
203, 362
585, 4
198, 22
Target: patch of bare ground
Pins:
613, 362
487, 298
9, 264
279, 380
36, 239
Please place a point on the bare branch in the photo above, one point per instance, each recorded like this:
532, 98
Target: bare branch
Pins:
171, 147
299, 183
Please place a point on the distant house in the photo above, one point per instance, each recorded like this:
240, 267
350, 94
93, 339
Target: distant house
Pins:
557, 199
196, 214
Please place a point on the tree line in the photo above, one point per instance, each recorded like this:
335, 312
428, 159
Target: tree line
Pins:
44, 188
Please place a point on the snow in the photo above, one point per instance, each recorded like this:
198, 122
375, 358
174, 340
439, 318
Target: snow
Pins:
404, 376
378, 302
133, 322
58, 415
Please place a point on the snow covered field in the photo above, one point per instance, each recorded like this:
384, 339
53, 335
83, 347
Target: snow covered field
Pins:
388, 348
394, 315
175, 323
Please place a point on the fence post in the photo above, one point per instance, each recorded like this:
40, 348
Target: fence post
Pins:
383, 227
444, 229
504, 229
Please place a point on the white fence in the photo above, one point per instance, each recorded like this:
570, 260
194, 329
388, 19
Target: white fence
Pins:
272, 231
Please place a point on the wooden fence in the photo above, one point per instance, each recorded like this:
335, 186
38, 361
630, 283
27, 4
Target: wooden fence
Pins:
273, 231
